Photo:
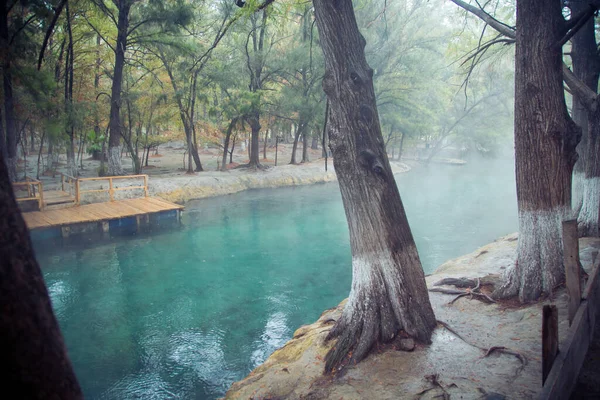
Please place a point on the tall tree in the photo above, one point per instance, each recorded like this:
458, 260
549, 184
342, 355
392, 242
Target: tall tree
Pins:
388, 286
34, 357
135, 26
545, 142
10, 133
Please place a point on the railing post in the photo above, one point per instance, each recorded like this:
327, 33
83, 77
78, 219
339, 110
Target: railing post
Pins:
62, 181
41, 192
110, 189
572, 265
77, 191
145, 185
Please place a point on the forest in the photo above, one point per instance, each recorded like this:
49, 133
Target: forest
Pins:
366, 83
117, 79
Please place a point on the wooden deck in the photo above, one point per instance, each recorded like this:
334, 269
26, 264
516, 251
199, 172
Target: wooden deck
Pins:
97, 212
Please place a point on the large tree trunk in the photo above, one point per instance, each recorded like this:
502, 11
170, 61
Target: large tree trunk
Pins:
388, 291
586, 65
9, 106
33, 354
545, 142
589, 216
114, 141
254, 145
71, 162
305, 158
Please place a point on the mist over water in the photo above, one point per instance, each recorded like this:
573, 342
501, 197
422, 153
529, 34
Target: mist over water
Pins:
183, 313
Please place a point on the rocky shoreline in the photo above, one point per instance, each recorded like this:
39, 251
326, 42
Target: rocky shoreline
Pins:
183, 188
479, 350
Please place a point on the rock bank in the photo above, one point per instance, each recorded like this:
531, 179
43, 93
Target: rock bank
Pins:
182, 188
456, 364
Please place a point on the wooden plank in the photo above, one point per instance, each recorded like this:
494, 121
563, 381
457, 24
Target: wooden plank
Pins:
98, 212
565, 370
549, 338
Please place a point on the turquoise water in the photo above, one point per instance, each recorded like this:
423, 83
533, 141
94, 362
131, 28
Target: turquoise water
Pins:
183, 313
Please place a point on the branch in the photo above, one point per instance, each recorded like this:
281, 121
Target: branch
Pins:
49, 31
222, 30
576, 23
586, 96
501, 27
98, 33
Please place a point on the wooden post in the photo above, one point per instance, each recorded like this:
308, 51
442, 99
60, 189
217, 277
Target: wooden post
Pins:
77, 191
146, 185
41, 191
549, 339
110, 189
62, 181
572, 268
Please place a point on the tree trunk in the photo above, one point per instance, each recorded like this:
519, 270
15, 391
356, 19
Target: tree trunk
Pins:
545, 142
34, 357
399, 156
71, 161
589, 216
9, 107
315, 142
305, 146
114, 142
299, 130
586, 66
226, 144
254, 145
388, 285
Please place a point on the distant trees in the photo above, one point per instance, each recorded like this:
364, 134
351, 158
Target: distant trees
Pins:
388, 286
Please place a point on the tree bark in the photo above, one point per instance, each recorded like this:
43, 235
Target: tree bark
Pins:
388, 291
226, 144
69, 75
114, 142
34, 358
254, 154
586, 66
545, 142
305, 158
299, 130
9, 106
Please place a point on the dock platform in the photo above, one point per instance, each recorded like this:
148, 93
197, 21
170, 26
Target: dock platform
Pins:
97, 212
59, 213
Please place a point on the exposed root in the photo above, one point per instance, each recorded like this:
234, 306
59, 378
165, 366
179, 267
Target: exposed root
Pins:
505, 350
474, 292
499, 349
434, 380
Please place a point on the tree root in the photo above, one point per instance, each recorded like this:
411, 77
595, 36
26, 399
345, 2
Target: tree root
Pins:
434, 379
488, 352
471, 292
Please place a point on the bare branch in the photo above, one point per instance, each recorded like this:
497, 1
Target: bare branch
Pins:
586, 96
501, 27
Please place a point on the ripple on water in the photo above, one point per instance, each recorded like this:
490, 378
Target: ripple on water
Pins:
202, 353
146, 384
276, 332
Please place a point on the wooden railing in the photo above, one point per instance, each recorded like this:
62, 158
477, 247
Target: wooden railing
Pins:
35, 191
111, 187
72, 186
